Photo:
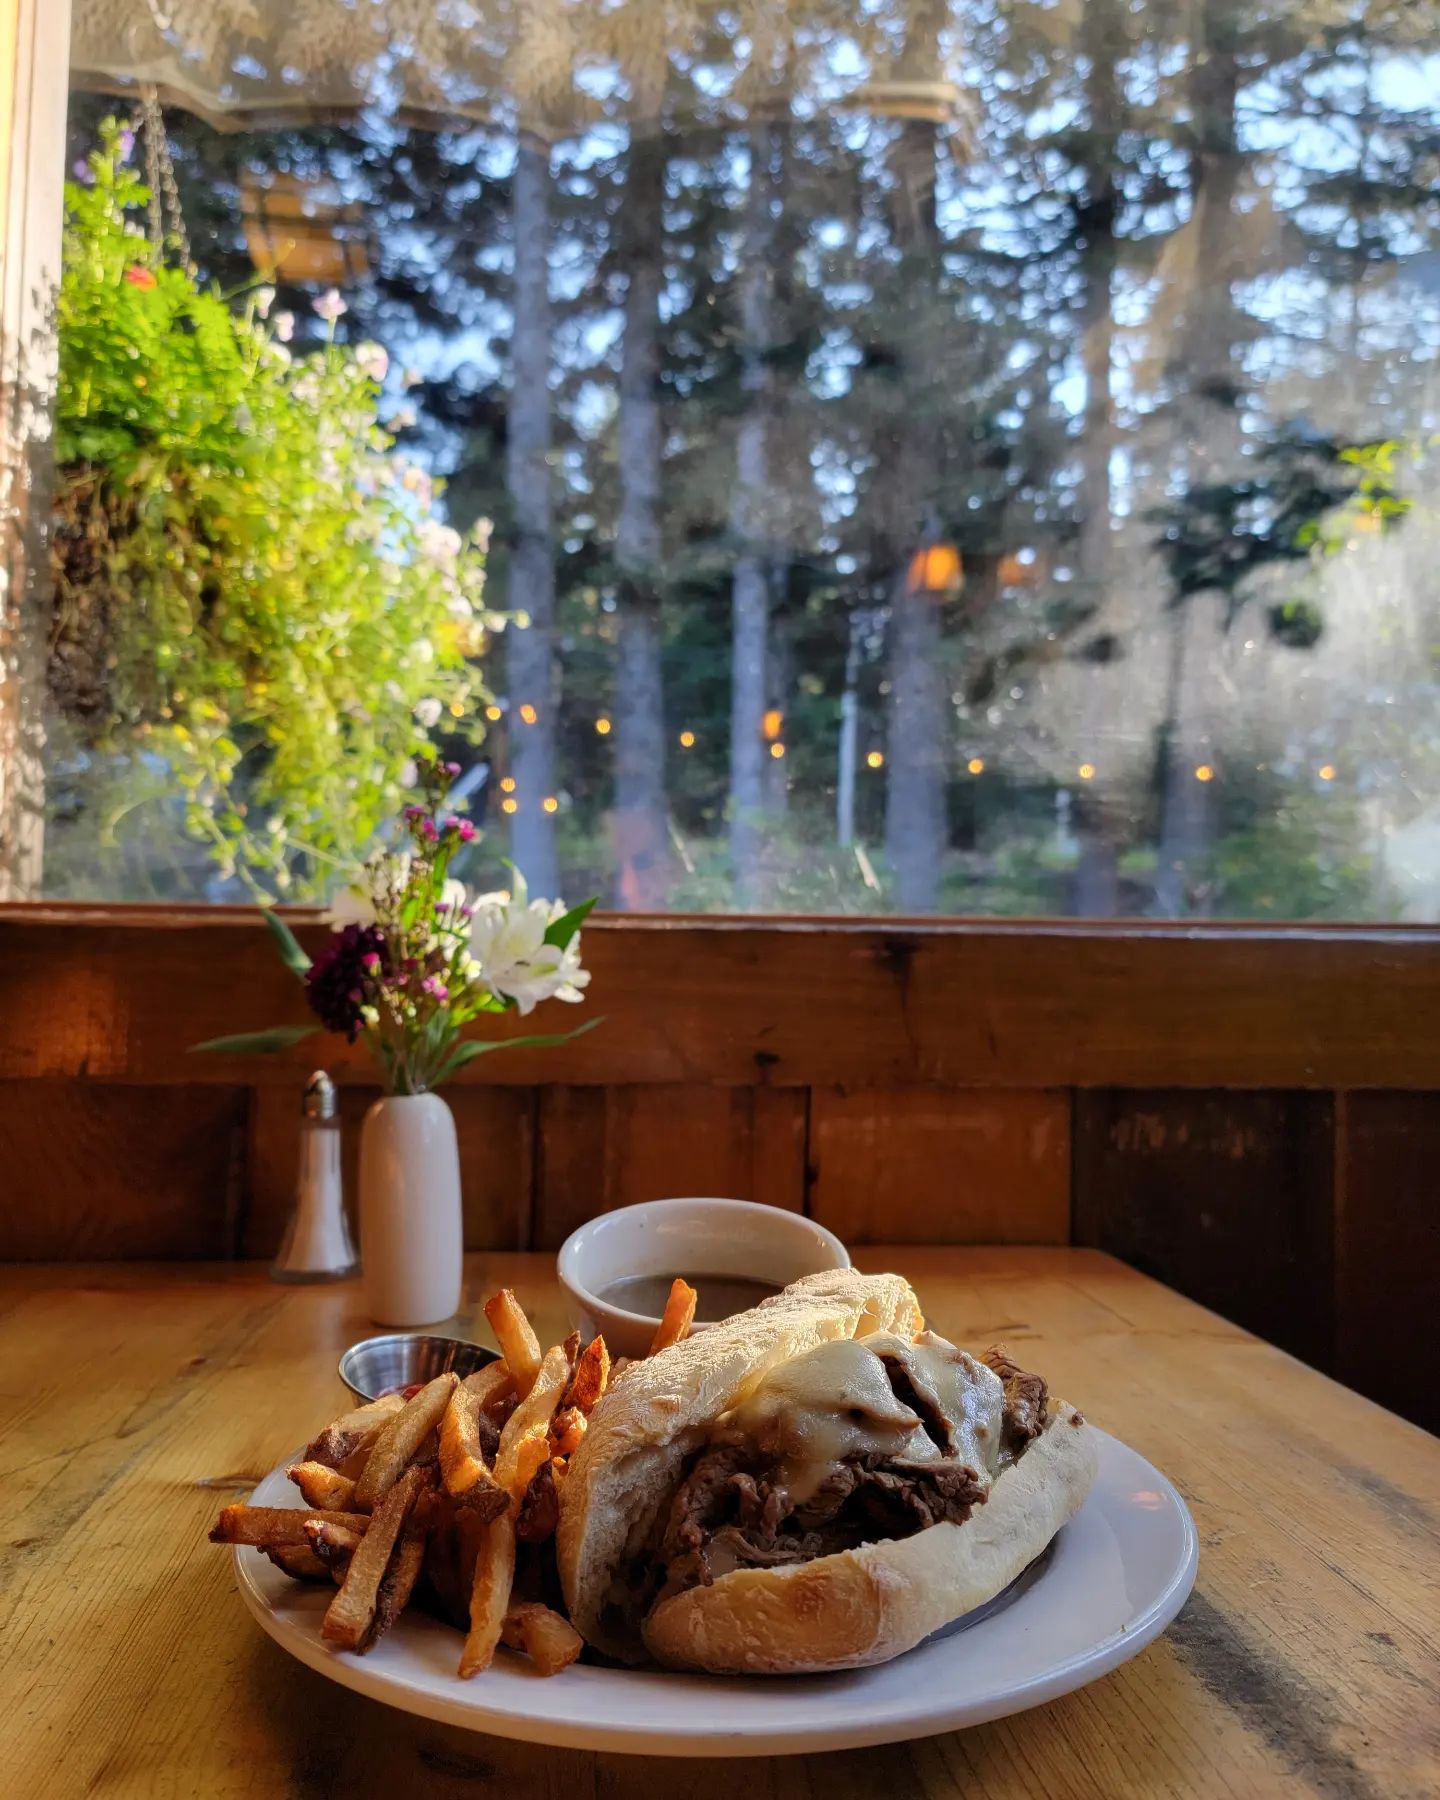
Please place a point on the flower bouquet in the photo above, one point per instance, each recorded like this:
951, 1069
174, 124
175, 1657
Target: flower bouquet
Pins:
414, 960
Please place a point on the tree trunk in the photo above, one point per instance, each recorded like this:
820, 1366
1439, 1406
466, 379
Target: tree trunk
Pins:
915, 831
530, 653
1210, 419
642, 856
781, 682
751, 524
1095, 891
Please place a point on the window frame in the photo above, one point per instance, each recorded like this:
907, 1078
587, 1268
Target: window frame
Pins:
120, 993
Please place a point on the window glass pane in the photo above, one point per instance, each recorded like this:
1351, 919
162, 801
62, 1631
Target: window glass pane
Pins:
960, 456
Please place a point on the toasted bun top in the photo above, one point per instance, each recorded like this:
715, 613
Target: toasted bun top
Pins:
631, 1457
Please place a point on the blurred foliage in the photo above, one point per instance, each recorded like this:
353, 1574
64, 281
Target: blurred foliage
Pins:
252, 590
1302, 861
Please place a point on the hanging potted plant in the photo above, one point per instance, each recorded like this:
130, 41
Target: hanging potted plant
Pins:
414, 960
257, 606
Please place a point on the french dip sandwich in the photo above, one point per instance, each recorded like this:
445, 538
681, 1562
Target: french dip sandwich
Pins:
819, 1483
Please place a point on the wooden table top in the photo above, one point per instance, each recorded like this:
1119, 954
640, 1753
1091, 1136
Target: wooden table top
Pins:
134, 1400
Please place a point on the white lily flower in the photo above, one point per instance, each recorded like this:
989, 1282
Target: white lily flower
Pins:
351, 906
507, 941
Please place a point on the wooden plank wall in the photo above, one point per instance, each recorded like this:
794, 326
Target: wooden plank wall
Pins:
1300, 1204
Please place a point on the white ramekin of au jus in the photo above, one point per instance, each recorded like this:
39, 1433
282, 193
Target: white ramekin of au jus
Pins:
728, 1241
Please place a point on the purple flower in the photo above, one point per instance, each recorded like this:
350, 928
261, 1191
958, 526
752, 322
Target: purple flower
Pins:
412, 813
425, 828
462, 828
452, 769
435, 988
336, 984
82, 172
125, 144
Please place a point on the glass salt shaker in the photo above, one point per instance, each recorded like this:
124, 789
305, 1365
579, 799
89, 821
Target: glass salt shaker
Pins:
317, 1245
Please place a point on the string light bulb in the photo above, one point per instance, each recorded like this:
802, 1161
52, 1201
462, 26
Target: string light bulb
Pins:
550, 803
772, 724
1204, 773
976, 765
687, 740
1327, 771
507, 785
509, 806
777, 751
492, 713
528, 713
1086, 771
602, 728
876, 759
457, 709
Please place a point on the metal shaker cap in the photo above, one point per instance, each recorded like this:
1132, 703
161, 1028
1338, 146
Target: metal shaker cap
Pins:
320, 1101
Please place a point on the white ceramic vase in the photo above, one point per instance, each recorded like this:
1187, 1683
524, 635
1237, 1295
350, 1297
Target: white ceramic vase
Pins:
411, 1237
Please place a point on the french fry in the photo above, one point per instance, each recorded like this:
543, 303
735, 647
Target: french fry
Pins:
489, 1595
516, 1336
566, 1430
529, 1423
269, 1526
352, 1612
592, 1374
530, 1458
539, 1512
333, 1545
489, 1384
397, 1584
352, 1432
298, 1561
677, 1318
322, 1486
401, 1438
462, 1459
551, 1642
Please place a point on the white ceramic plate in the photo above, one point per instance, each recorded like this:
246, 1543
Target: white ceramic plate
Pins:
1112, 1581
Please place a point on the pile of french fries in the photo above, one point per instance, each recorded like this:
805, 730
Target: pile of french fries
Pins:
450, 1483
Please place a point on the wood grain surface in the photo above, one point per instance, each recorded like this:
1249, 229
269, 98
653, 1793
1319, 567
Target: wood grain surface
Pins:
121, 993
1227, 1196
922, 1165
1387, 1247
135, 1400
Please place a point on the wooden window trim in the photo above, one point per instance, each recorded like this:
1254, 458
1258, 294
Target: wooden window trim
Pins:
119, 993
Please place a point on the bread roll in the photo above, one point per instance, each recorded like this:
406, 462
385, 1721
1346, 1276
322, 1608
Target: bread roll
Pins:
631, 1457
865, 1606
841, 1610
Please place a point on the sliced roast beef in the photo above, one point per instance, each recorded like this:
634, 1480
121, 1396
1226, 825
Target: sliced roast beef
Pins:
921, 1402
726, 1516
1026, 1400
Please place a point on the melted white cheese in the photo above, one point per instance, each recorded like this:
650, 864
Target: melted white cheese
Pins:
837, 1401
971, 1397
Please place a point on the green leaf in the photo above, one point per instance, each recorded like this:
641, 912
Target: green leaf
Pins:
473, 1047
566, 926
293, 957
258, 1043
